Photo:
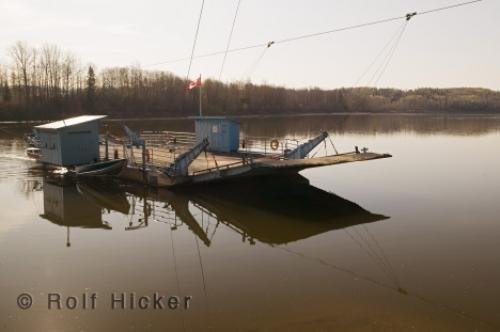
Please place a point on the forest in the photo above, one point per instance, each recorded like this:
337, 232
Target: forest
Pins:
42, 83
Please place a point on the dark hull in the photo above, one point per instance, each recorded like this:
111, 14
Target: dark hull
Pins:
104, 168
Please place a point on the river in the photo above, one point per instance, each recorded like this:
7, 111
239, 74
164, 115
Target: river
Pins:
405, 243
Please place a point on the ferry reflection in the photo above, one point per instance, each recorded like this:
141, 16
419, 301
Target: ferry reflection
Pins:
279, 209
67, 206
275, 210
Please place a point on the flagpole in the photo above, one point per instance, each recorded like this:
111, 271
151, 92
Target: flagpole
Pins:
200, 97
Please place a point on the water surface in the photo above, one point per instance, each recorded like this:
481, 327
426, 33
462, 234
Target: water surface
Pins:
405, 243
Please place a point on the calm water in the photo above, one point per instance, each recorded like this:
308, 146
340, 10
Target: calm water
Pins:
405, 243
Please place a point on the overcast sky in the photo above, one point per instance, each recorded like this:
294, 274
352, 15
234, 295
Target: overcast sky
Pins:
458, 47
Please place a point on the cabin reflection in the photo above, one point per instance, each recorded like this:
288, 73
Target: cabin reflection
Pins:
273, 210
67, 206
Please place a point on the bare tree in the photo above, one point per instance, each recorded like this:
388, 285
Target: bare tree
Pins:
68, 69
23, 58
51, 67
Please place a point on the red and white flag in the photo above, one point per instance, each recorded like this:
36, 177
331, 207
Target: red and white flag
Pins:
194, 84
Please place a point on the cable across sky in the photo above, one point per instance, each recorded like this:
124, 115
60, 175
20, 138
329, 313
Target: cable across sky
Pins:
321, 33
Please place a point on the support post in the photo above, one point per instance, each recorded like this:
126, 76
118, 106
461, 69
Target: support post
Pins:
106, 144
144, 155
106, 148
201, 113
106, 153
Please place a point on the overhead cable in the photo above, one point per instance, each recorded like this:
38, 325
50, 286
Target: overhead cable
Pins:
312, 35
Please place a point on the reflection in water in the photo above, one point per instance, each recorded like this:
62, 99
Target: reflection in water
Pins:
107, 195
366, 124
66, 206
273, 211
300, 126
413, 272
337, 124
278, 210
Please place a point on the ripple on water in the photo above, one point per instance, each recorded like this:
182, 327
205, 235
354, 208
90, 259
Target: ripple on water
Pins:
15, 165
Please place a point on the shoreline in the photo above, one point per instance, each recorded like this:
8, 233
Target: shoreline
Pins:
270, 116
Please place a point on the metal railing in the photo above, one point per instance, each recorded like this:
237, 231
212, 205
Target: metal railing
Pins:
168, 138
162, 147
268, 146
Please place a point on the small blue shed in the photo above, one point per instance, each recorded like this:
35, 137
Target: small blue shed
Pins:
73, 141
223, 134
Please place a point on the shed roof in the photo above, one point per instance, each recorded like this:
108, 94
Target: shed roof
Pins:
70, 122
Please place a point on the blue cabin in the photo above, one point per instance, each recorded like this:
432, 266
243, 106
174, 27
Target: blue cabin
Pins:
223, 134
73, 141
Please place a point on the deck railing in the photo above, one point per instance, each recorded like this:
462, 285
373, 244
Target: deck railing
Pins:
162, 147
168, 138
268, 146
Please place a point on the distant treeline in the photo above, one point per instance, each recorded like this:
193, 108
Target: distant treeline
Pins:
47, 83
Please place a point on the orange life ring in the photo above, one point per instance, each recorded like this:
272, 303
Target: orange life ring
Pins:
275, 144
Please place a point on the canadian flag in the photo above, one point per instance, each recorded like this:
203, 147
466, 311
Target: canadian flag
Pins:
194, 84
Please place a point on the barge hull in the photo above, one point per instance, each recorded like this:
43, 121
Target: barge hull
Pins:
260, 166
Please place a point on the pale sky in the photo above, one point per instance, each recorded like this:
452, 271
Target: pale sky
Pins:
454, 48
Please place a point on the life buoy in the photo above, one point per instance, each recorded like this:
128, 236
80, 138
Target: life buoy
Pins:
275, 144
